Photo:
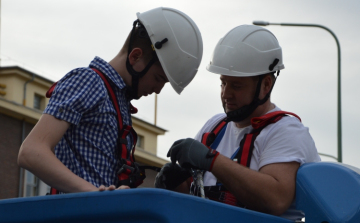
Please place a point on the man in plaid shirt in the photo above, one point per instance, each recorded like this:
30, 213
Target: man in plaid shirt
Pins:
73, 147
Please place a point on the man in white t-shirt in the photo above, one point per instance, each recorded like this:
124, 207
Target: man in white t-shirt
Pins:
247, 59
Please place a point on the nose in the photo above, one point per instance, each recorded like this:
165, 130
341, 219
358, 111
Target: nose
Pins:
225, 92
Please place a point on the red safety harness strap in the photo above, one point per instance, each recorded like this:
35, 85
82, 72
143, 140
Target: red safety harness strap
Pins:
51, 89
272, 117
246, 147
245, 151
243, 157
209, 137
112, 96
53, 191
128, 166
124, 131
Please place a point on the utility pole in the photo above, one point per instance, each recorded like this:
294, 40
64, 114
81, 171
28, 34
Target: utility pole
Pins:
339, 124
0, 33
155, 113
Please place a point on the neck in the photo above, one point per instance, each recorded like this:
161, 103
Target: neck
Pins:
259, 111
119, 64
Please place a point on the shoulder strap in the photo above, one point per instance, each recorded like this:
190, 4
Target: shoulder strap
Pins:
272, 117
123, 130
130, 173
112, 96
246, 146
209, 137
51, 89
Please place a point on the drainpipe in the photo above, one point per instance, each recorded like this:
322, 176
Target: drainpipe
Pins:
31, 80
21, 181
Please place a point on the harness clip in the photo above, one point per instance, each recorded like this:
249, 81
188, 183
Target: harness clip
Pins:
124, 168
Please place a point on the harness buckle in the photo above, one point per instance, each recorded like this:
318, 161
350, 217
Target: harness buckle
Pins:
131, 174
126, 169
210, 138
123, 141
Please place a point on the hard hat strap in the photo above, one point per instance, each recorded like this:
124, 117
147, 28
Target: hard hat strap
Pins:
133, 91
246, 110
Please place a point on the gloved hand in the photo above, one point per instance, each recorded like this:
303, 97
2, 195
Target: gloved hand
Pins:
192, 154
170, 176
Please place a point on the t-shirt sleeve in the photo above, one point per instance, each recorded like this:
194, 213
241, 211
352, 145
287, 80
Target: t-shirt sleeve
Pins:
78, 92
286, 141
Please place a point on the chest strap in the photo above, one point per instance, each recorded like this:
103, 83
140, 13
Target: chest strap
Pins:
243, 154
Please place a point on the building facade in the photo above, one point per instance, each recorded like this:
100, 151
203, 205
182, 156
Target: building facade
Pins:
22, 100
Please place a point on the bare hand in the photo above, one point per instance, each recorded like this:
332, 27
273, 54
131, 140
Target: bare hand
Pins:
123, 187
112, 187
103, 188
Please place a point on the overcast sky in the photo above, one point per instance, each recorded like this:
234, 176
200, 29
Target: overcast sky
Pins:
52, 37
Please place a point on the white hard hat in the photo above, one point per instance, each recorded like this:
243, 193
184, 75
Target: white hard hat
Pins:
180, 55
245, 51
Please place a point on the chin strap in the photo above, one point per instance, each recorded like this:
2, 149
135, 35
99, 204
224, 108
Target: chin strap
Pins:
246, 110
133, 90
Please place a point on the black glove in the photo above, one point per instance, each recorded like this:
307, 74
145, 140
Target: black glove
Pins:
170, 176
192, 154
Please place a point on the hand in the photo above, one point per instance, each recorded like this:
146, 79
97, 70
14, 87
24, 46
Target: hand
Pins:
123, 187
170, 176
192, 154
112, 187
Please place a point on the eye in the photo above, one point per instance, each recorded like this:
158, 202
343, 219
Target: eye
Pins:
158, 78
237, 86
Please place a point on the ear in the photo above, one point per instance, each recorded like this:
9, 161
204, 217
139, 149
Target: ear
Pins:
135, 55
267, 83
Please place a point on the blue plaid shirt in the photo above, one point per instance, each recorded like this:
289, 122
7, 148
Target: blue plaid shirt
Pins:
88, 147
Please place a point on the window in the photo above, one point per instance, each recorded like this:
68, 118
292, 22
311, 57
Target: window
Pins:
31, 185
38, 102
140, 141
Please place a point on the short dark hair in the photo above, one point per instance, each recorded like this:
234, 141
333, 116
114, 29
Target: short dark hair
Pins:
140, 39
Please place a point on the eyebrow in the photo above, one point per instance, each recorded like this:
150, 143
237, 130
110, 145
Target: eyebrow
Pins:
222, 78
231, 81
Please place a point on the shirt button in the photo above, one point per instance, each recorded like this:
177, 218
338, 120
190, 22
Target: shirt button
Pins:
61, 110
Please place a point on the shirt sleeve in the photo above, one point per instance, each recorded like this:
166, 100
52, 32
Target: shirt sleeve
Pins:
78, 92
286, 141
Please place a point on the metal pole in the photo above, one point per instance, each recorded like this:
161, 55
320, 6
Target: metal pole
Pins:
155, 113
327, 155
339, 130
0, 30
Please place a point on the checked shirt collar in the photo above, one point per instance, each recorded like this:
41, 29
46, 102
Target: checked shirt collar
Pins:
109, 71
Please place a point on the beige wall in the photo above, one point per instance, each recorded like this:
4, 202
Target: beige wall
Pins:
15, 81
149, 143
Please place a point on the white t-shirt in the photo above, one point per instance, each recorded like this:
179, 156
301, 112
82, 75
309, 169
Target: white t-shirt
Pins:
287, 140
